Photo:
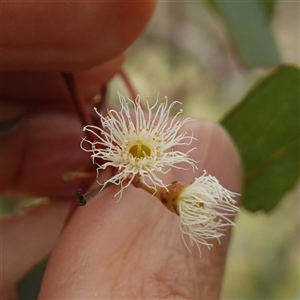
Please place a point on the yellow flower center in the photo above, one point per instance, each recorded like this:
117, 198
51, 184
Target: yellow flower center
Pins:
140, 150
199, 205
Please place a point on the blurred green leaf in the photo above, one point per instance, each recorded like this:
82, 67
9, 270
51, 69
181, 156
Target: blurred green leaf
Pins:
265, 127
29, 286
11, 203
247, 23
269, 7
6, 206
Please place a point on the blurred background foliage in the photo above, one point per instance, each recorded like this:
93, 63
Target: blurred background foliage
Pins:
208, 55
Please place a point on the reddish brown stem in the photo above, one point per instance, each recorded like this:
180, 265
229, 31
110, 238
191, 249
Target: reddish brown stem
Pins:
103, 94
77, 98
128, 84
79, 104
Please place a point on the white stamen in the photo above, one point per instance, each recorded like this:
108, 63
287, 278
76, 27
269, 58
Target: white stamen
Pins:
124, 133
204, 208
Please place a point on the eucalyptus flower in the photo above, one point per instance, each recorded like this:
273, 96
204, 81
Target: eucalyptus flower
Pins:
205, 208
139, 144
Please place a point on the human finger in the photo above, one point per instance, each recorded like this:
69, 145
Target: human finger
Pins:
133, 248
39, 151
46, 125
27, 237
23, 91
65, 36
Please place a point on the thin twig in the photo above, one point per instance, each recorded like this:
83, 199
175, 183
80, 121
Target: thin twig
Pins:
128, 83
77, 98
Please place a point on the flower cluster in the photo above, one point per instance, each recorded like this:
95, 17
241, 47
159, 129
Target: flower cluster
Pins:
139, 145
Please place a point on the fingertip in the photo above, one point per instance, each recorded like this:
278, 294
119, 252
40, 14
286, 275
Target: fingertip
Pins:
63, 37
98, 239
93, 79
28, 236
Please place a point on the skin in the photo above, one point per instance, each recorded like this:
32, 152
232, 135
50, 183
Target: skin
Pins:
109, 250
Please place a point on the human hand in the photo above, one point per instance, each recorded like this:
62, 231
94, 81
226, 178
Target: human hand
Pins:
129, 249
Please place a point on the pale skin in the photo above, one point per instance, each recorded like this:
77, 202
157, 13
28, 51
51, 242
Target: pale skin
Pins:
131, 249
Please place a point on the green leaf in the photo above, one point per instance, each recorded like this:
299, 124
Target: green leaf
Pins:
248, 25
29, 286
269, 7
265, 127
